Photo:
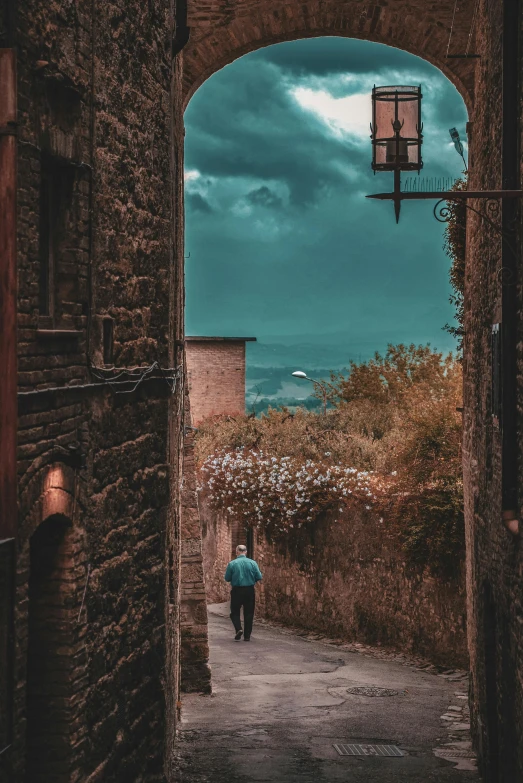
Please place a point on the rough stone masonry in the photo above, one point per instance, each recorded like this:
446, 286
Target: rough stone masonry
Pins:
97, 606
101, 90
343, 577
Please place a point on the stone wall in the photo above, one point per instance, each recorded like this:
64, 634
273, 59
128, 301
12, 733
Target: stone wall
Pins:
495, 556
344, 577
195, 671
99, 283
221, 32
216, 375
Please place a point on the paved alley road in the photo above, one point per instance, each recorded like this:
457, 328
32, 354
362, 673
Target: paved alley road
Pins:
280, 704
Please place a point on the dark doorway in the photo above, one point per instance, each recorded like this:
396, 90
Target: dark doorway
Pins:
250, 542
49, 653
510, 736
491, 757
241, 534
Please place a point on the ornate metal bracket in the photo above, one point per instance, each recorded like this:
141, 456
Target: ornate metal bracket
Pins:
491, 196
492, 212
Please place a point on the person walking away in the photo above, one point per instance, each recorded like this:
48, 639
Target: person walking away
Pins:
242, 573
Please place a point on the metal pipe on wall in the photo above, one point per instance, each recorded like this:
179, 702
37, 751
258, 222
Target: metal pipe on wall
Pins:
182, 32
509, 303
8, 294
8, 394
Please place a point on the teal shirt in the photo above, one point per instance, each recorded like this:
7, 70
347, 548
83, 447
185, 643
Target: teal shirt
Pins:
243, 572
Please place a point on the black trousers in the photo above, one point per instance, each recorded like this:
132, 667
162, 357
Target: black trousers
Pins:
246, 597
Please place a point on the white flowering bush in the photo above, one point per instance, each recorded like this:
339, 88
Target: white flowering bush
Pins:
280, 493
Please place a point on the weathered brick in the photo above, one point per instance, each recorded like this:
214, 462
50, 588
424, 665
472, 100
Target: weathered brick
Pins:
216, 376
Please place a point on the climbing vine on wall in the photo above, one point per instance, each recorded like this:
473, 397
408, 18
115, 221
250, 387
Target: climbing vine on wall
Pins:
280, 493
455, 248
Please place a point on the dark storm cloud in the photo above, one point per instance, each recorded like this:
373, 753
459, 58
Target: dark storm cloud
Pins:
253, 127
196, 203
264, 197
281, 237
325, 56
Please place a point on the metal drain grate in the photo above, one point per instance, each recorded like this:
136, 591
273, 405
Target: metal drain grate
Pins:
368, 750
454, 754
371, 690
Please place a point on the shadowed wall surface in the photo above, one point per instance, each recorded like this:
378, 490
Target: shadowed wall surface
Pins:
96, 243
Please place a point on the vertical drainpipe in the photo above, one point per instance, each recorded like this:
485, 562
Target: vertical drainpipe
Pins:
510, 254
182, 31
180, 37
8, 388
510, 211
8, 303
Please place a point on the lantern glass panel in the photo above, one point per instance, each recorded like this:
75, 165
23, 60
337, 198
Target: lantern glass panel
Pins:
397, 107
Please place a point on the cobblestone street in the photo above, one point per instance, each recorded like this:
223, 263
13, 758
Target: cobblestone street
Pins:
282, 702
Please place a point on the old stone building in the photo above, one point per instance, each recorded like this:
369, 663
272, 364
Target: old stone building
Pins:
100, 91
100, 391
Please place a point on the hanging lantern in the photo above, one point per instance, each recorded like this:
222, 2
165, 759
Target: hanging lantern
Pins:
396, 129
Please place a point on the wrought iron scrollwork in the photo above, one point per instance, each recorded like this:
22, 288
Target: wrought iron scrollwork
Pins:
491, 215
442, 211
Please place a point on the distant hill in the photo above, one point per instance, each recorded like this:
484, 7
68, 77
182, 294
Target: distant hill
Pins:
271, 362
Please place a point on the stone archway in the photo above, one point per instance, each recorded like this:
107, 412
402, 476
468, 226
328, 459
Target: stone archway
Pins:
224, 31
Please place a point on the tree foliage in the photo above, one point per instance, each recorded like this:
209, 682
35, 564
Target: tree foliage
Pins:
389, 379
395, 416
455, 247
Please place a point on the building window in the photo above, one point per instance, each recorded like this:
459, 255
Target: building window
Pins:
56, 191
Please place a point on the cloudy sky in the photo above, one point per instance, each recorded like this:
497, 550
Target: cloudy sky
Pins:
282, 242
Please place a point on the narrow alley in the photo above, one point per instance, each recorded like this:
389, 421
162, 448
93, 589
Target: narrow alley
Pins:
281, 703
